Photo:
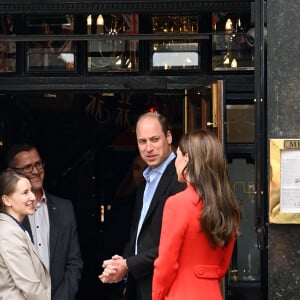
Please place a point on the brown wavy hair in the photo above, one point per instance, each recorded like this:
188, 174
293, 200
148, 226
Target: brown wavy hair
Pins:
207, 171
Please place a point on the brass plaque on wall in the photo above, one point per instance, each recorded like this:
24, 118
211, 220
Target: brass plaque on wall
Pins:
284, 182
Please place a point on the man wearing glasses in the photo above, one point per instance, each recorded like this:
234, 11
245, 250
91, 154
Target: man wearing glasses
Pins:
52, 227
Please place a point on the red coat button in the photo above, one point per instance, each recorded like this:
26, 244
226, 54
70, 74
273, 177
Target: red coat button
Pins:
199, 271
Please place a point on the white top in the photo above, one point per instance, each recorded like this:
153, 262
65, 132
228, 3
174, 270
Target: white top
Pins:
40, 227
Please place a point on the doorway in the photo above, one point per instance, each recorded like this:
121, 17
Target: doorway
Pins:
87, 140
88, 143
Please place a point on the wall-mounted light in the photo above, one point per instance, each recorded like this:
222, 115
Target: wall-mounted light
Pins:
234, 63
100, 24
226, 61
118, 62
89, 24
228, 25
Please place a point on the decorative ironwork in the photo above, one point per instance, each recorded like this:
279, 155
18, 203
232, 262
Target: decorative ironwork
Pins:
73, 7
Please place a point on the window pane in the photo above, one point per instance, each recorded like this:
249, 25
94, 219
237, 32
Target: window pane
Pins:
230, 48
112, 55
175, 60
175, 54
50, 55
7, 49
246, 256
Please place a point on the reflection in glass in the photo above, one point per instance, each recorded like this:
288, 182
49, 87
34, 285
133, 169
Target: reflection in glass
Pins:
113, 55
246, 257
178, 55
7, 49
175, 54
230, 48
50, 55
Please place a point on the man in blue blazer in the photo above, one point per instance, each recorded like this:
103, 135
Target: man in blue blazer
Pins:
53, 227
136, 265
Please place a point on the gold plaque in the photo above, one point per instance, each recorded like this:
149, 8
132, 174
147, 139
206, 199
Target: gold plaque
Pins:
284, 182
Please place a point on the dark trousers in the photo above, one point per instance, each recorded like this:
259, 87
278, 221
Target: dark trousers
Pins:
138, 294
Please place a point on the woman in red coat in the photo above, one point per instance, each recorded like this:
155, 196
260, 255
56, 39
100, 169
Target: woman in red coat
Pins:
199, 225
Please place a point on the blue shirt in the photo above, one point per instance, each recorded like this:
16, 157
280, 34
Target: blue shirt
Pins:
152, 177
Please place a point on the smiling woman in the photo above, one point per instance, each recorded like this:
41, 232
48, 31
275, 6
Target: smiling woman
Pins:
17, 199
22, 273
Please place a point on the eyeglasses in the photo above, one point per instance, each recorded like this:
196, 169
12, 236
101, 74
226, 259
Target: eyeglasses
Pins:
29, 168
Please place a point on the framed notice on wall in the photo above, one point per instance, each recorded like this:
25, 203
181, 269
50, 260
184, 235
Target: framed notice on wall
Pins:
284, 183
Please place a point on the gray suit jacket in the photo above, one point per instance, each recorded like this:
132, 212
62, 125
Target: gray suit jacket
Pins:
65, 256
22, 273
141, 266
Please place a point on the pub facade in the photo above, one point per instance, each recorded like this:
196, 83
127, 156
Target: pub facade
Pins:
75, 75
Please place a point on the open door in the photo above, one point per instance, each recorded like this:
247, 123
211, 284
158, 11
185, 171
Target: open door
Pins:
204, 108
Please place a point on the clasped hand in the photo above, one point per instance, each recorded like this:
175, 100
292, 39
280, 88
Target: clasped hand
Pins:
115, 269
